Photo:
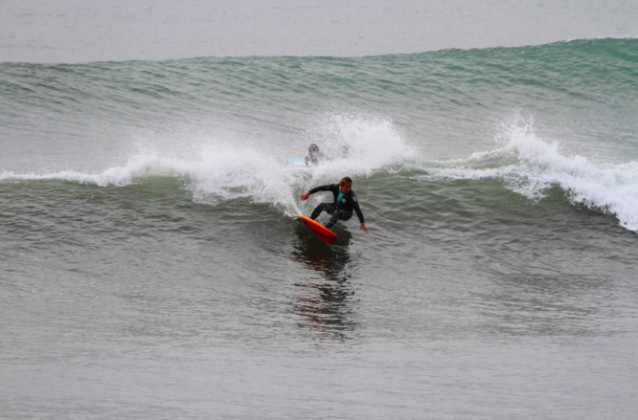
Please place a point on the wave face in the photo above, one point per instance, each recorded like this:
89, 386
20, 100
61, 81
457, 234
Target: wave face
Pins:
533, 117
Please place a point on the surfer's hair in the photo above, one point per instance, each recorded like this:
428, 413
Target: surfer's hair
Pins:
345, 180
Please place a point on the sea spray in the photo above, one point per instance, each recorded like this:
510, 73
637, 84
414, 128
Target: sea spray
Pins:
215, 169
530, 165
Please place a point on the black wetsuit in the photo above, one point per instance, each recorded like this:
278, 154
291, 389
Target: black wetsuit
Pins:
314, 158
342, 207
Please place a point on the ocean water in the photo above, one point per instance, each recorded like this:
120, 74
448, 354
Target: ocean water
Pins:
151, 267
72, 31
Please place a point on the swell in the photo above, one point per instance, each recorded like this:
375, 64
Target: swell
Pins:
581, 70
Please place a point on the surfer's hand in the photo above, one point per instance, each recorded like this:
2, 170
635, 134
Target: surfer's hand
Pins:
364, 228
305, 196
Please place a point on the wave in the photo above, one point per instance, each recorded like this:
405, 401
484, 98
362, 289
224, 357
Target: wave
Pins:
399, 108
217, 170
531, 165
527, 163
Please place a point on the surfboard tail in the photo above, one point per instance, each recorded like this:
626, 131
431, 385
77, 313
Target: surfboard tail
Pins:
318, 229
327, 239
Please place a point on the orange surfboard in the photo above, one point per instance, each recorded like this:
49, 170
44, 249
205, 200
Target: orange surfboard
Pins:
318, 229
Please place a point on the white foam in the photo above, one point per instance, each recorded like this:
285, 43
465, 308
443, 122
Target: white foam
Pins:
531, 165
217, 168
372, 142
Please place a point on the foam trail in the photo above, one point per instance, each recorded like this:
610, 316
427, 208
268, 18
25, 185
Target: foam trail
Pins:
244, 173
217, 169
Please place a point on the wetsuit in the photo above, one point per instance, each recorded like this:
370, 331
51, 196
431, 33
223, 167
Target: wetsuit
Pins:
342, 207
314, 158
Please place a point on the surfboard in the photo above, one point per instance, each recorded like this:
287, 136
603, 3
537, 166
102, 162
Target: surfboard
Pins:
297, 161
318, 229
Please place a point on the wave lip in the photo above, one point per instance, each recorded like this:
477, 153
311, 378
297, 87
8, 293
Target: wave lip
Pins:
530, 166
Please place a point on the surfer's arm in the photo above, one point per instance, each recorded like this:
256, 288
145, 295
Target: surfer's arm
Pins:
360, 216
328, 187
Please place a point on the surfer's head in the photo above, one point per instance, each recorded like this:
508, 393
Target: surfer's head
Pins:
313, 148
345, 184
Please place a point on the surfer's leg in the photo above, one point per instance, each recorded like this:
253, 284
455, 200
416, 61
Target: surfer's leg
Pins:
329, 207
338, 215
331, 222
344, 215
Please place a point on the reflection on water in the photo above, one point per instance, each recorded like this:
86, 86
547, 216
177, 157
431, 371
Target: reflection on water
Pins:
325, 300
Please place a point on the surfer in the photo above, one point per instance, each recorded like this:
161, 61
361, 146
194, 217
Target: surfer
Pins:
345, 201
314, 155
